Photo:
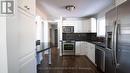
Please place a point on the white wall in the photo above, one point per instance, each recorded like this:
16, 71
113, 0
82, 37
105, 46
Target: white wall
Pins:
3, 48
60, 23
46, 34
38, 28
41, 13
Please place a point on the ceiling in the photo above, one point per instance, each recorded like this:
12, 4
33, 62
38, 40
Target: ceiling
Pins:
84, 8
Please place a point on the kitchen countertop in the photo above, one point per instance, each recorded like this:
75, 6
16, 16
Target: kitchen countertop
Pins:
43, 46
101, 44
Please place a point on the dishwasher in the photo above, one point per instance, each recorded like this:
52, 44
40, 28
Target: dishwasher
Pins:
100, 58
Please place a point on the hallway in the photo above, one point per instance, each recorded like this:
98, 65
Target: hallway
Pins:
66, 64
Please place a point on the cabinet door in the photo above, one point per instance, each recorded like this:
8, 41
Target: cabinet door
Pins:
89, 25
93, 25
86, 49
32, 6
93, 53
119, 2
89, 50
83, 48
86, 26
78, 27
77, 48
27, 32
22, 4
110, 19
27, 6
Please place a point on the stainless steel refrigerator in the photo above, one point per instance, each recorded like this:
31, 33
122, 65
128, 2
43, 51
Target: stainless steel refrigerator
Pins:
117, 57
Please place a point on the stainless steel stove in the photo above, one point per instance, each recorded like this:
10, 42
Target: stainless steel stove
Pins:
68, 48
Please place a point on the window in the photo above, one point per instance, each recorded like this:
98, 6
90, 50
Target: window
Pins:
101, 27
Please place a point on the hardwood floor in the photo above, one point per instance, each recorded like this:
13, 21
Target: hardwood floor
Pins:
66, 64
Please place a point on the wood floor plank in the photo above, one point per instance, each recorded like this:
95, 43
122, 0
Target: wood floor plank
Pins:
66, 64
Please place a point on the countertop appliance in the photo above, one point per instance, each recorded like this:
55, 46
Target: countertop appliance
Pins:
68, 48
118, 39
100, 58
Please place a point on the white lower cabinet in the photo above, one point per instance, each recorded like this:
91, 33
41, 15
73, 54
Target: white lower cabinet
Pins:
91, 52
87, 49
77, 48
80, 48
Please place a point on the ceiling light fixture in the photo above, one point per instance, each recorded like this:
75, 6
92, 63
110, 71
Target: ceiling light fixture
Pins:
70, 7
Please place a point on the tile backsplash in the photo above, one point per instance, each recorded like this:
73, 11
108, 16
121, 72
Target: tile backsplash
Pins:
80, 36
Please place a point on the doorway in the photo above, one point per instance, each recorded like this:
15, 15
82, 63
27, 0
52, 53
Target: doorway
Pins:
56, 38
53, 34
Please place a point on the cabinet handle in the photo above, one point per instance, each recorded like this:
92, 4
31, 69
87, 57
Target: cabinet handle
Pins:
27, 7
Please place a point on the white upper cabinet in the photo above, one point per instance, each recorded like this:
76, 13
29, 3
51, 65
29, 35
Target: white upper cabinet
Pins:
89, 25
77, 25
119, 2
27, 6
82, 26
86, 26
93, 25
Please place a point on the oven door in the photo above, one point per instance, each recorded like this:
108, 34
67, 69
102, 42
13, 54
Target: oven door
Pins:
68, 48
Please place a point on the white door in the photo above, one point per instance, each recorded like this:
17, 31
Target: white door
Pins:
3, 48
27, 33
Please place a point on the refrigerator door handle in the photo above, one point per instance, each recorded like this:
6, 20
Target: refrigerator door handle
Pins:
113, 37
116, 44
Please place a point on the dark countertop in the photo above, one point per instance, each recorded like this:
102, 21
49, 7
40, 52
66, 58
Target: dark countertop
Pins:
43, 46
101, 44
